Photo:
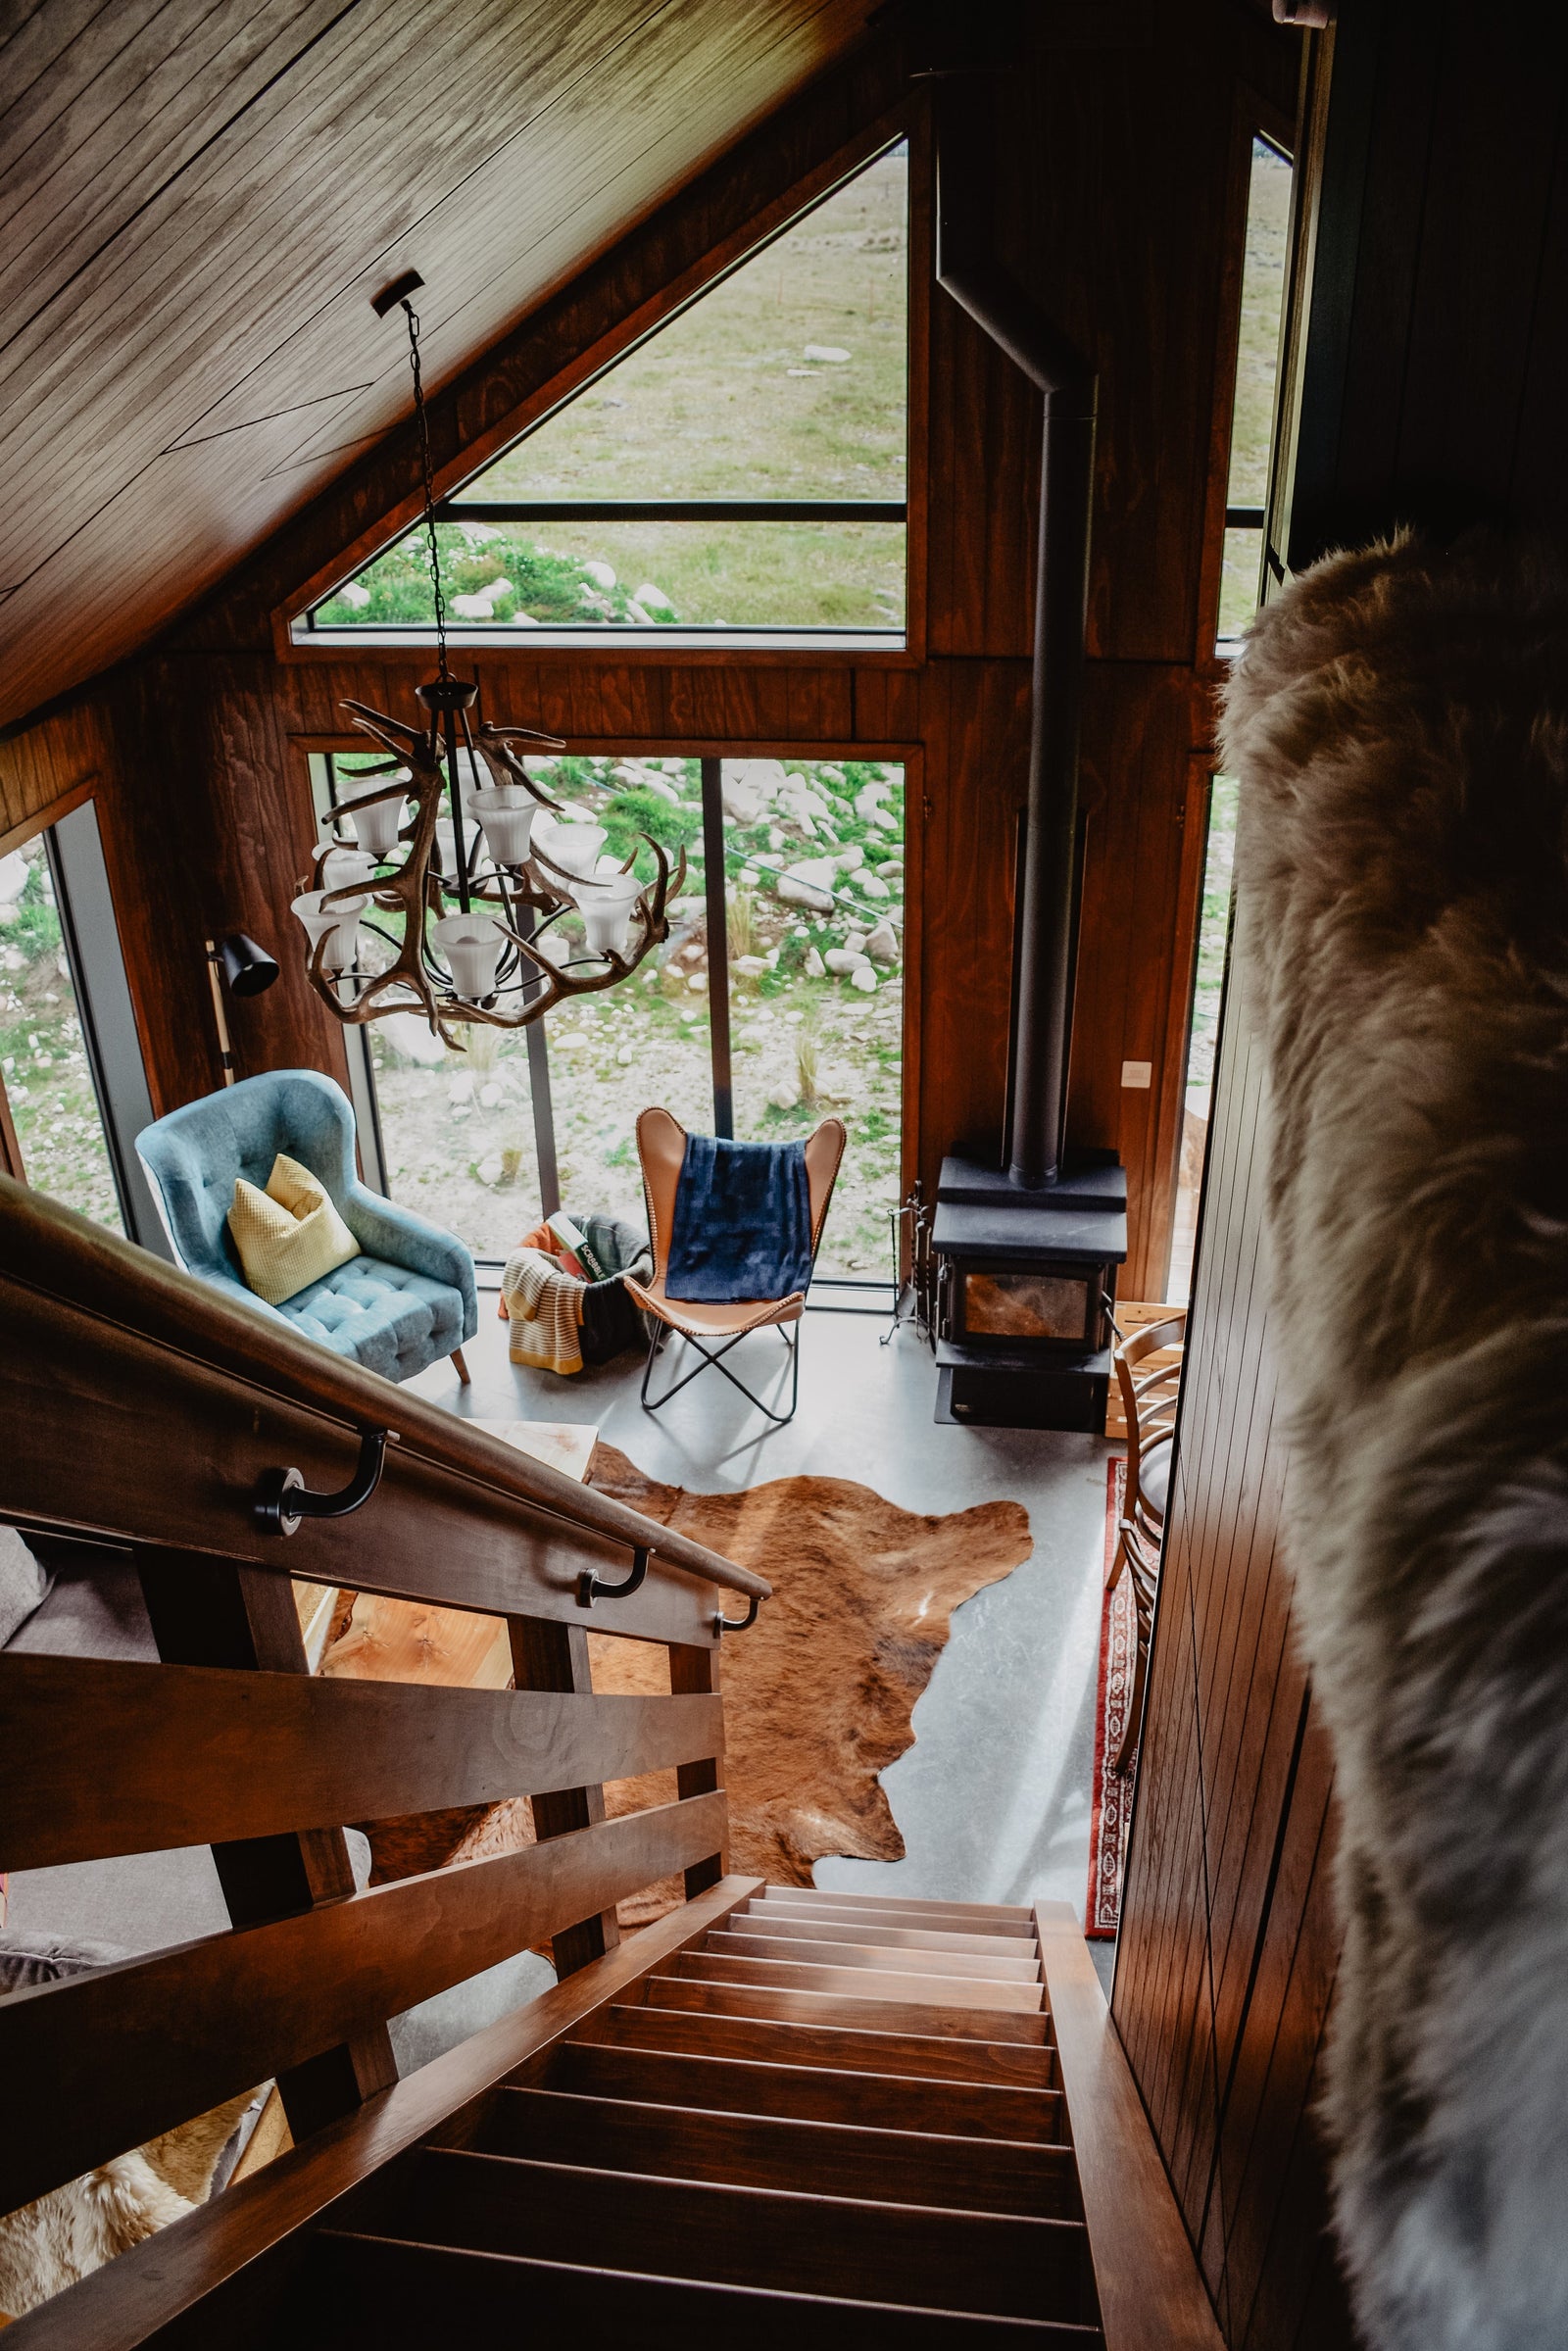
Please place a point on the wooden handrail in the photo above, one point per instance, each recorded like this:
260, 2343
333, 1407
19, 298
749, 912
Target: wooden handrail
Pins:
60, 1258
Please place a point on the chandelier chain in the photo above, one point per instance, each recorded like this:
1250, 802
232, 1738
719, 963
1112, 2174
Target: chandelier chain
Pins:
428, 475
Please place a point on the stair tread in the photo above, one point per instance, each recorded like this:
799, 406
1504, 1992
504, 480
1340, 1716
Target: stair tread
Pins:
1000, 2262
889, 2101
401, 2291
956, 1992
797, 2154
1017, 1914
891, 2015
961, 1966
775, 1920
881, 2045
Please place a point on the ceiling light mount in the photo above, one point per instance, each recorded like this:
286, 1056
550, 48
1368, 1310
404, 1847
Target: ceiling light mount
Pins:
398, 291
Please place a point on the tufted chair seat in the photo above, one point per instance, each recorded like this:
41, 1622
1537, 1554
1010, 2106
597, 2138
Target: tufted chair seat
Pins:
406, 1301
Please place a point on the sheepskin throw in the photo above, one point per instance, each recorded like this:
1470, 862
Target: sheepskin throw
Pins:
1399, 729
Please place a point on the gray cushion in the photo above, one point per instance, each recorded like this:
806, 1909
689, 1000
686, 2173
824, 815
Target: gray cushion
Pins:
24, 1584
29, 1959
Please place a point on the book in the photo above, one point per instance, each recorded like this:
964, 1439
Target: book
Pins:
577, 1254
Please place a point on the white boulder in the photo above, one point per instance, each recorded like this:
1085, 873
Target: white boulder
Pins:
850, 859
749, 787
352, 594
602, 575
826, 355
864, 979
883, 945
846, 961
653, 600
813, 965
870, 885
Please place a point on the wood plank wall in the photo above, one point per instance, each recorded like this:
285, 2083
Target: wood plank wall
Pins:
1121, 205
1433, 182
1229, 1938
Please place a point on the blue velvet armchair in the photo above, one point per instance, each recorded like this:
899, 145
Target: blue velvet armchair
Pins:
407, 1299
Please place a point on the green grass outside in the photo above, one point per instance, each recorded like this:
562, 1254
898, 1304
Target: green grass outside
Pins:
43, 1059
721, 403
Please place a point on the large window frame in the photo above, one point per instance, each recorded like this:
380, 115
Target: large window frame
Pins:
901, 643
90, 939
909, 756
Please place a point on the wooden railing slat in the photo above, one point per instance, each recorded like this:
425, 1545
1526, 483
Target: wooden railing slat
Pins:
215, 1614
220, 2276
200, 1755
99, 2063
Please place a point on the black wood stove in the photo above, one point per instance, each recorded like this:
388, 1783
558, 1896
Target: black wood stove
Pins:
1024, 1285
1027, 1245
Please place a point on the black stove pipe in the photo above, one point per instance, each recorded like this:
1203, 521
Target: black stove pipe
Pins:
966, 268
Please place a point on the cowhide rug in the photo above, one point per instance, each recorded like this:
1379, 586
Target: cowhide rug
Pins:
1399, 727
818, 1696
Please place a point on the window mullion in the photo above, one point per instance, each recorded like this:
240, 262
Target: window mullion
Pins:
717, 945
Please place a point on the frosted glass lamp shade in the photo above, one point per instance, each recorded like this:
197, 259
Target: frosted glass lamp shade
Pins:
471, 944
574, 848
507, 817
605, 904
376, 828
340, 867
338, 924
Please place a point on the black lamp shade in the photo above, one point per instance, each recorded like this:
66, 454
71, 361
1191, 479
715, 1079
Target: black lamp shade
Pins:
247, 967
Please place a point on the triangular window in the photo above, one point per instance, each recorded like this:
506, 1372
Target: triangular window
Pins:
743, 467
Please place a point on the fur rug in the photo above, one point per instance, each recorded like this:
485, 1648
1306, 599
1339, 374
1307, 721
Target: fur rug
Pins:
818, 1693
46, 2246
76, 2228
1399, 727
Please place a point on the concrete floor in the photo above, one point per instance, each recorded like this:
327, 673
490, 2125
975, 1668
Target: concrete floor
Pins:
993, 1798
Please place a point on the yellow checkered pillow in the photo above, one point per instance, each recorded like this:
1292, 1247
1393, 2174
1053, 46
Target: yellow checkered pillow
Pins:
288, 1236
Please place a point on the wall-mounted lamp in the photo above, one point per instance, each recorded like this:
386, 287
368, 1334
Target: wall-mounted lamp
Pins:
248, 969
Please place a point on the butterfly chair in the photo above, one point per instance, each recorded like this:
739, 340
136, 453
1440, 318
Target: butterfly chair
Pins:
1149, 1400
714, 1329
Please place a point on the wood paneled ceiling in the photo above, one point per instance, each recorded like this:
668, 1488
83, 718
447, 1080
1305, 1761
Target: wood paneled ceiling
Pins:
199, 198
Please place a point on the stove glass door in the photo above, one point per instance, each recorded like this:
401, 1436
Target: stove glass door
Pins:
1025, 1305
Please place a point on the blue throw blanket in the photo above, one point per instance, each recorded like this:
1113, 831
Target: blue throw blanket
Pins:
742, 1223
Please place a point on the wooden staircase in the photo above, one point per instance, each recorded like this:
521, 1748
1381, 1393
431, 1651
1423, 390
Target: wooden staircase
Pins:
878, 2133
778, 2113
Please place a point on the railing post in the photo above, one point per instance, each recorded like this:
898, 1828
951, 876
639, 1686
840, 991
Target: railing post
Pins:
216, 1612
552, 1656
694, 1671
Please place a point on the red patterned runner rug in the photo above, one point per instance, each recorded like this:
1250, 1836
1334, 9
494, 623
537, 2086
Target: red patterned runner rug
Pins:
1110, 1793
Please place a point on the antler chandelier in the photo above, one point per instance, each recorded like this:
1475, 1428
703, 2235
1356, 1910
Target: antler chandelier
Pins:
479, 938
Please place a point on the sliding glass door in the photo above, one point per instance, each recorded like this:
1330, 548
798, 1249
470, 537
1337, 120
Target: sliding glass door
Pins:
776, 1001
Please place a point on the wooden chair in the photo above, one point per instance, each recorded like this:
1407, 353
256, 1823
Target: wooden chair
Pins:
1149, 1406
714, 1329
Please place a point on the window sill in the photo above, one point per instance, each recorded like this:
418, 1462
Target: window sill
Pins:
656, 644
